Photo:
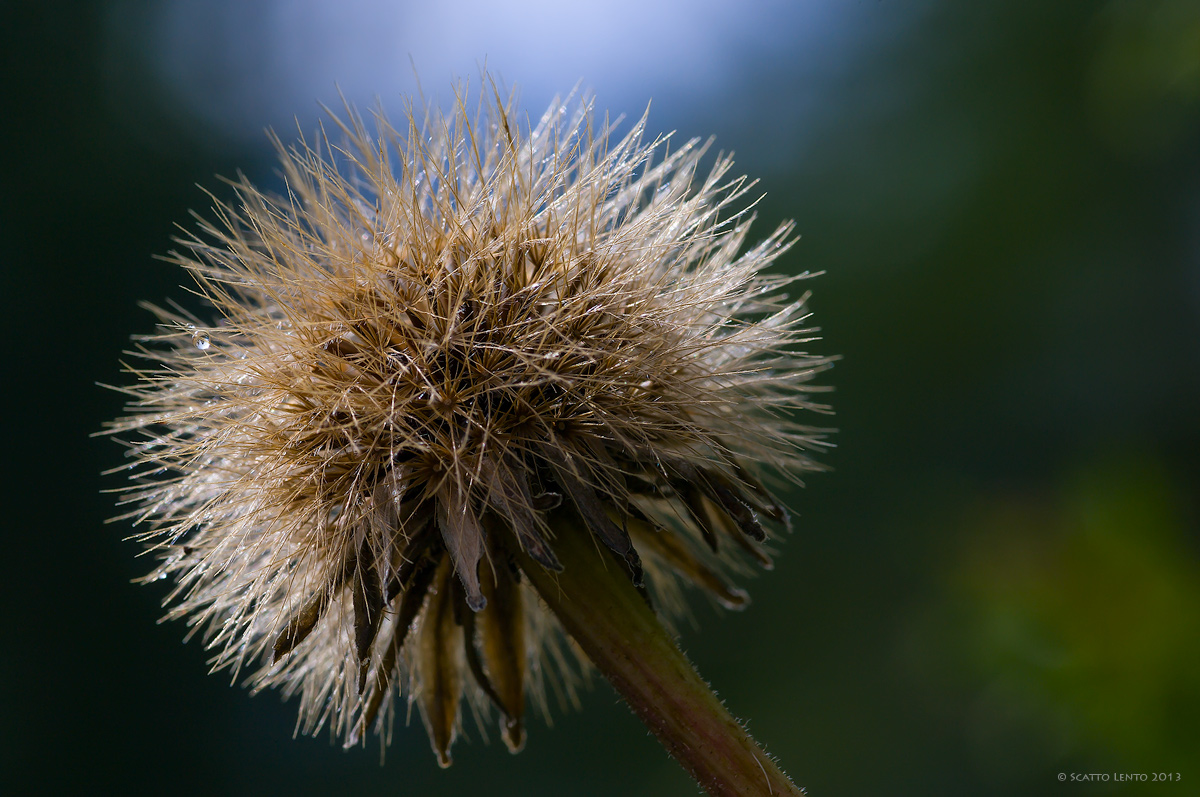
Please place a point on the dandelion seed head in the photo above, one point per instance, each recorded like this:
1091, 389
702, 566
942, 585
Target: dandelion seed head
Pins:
447, 342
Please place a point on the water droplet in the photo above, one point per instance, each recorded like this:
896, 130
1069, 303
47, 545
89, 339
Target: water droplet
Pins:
201, 340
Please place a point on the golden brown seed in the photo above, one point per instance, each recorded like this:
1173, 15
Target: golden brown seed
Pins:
439, 664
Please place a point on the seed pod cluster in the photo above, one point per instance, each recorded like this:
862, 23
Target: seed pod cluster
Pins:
446, 344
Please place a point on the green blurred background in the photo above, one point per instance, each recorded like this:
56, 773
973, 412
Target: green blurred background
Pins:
1000, 579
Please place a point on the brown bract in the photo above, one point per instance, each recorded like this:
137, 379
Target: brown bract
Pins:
446, 344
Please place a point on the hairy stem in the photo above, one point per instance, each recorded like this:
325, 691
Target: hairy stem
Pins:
601, 609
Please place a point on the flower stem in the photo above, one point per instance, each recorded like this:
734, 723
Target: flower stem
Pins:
598, 606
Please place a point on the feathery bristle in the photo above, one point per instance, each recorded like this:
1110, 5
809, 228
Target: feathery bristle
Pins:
447, 342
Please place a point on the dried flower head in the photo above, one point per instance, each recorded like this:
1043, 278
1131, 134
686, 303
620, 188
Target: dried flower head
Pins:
445, 348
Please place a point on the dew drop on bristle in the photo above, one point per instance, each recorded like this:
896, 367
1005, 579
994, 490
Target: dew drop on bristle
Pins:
201, 340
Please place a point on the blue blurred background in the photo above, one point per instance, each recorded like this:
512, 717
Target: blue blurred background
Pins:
1000, 580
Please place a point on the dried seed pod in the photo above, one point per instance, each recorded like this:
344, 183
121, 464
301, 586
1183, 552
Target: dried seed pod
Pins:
445, 334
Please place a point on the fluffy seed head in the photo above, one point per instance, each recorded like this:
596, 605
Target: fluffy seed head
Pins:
447, 343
